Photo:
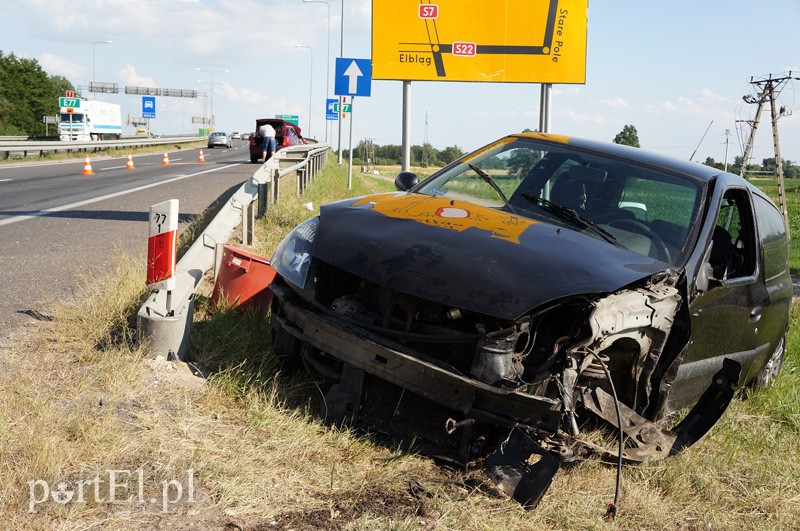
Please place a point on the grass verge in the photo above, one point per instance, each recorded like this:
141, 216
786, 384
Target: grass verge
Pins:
80, 402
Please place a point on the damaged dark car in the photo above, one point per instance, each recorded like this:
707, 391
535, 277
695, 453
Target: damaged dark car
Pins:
535, 289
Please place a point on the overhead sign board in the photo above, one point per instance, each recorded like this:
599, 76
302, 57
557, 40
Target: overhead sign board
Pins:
512, 41
353, 77
148, 106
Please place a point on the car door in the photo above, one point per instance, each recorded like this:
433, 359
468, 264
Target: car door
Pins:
726, 314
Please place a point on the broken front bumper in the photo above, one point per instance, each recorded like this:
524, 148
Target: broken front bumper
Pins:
530, 422
415, 372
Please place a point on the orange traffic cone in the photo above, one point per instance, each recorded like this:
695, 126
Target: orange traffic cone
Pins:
129, 165
87, 166
201, 157
165, 160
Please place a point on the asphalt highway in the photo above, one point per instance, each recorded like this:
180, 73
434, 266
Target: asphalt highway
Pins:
58, 225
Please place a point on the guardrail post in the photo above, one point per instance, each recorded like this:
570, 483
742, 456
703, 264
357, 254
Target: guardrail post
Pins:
248, 222
299, 186
165, 335
263, 199
274, 196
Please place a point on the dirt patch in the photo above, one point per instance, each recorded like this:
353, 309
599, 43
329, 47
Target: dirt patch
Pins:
337, 511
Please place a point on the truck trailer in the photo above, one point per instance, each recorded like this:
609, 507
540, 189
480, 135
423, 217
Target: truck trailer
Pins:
90, 120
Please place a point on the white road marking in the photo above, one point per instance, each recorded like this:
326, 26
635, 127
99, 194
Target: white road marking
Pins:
5, 180
39, 213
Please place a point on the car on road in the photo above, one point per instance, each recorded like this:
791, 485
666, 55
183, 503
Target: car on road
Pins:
245, 136
535, 289
218, 138
235, 135
286, 134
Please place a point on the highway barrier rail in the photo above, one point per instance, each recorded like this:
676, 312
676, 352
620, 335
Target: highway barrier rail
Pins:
164, 321
28, 148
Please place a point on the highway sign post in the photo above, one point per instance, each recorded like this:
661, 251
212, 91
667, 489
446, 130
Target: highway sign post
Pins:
331, 109
292, 118
162, 246
513, 41
73, 103
148, 106
516, 41
353, 78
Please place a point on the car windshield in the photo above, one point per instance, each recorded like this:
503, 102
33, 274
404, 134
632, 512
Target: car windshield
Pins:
647, 210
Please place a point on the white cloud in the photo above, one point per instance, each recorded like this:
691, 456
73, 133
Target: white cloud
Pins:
709, 95
130, 77
244, 95
575, 117
615, 103
55, 65
570, 90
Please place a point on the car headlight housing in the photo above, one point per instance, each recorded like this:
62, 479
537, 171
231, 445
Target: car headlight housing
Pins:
293, 256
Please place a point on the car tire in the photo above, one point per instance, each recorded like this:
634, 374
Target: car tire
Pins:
769, 374
253, 159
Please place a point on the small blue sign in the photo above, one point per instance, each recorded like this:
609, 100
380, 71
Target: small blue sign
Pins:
148, 106
353, 77
330, 109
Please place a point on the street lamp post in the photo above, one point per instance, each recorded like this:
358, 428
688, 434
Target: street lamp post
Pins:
211, 88
310, 83
341, 54
94, 47
327, 56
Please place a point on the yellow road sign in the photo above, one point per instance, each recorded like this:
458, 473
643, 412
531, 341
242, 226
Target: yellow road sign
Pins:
522, 41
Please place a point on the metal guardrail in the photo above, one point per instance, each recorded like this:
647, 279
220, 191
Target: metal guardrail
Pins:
165, 330
26, 148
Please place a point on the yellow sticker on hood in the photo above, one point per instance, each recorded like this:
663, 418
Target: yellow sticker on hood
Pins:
449, 214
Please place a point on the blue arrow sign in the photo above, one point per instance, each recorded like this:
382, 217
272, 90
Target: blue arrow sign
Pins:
353, 77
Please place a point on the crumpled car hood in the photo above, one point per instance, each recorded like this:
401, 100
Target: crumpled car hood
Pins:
468, 256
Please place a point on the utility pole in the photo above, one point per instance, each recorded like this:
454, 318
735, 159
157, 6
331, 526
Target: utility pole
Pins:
425, 143
727, 140
768, 90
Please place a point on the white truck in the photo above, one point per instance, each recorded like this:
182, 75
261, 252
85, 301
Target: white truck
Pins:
85, 120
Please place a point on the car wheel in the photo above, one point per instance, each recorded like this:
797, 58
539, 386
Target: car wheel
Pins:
253, 159
769, 374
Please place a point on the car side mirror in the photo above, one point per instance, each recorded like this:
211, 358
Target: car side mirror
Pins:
705, 278
405, 180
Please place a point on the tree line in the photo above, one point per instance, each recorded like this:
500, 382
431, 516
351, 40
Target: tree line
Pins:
392, 155
629, 136
27, 94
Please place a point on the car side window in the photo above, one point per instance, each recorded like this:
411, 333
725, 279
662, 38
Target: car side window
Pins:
772, 235
733, 251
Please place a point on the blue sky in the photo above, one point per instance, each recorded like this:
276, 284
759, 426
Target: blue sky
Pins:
668, 68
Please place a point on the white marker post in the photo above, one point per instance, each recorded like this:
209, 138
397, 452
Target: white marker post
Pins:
162, 248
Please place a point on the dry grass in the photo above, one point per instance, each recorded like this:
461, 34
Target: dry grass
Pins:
78, 399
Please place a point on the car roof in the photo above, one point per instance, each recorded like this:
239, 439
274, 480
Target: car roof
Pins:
642, 156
